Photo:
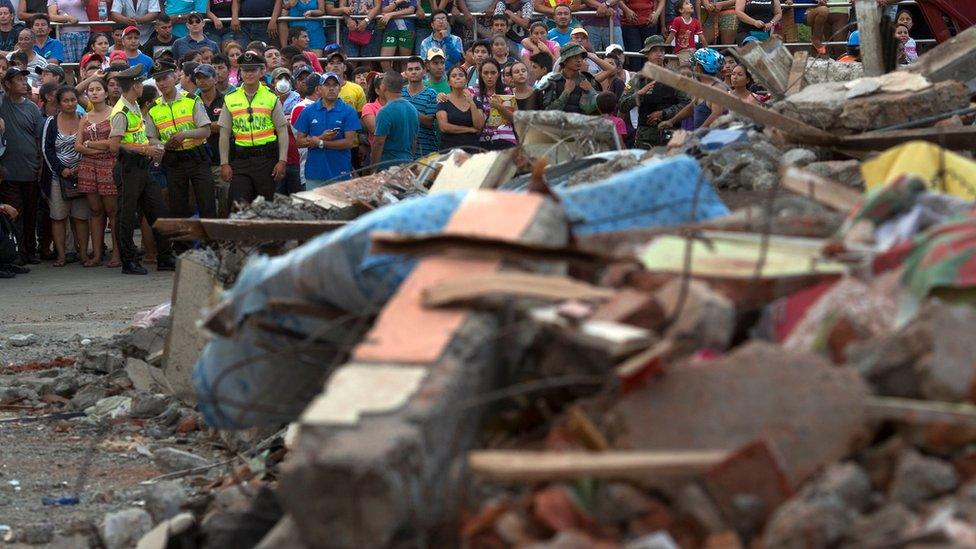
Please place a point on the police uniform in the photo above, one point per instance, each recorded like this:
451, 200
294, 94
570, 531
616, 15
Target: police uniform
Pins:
137, 192
659, 98
188, 164
578, 100
252, 124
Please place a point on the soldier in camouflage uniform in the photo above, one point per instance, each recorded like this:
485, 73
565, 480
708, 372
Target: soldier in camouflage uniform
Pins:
571, 89
655, 102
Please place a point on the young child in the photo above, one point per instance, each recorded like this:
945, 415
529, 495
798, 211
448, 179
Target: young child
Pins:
684, 30
901, 33
606, 105
911, 50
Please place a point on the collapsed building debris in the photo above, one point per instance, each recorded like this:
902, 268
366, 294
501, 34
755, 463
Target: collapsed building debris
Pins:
757, 336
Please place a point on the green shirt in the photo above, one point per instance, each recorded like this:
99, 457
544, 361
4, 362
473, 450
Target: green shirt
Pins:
440, 87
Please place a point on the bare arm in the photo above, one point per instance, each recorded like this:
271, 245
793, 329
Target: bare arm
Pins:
53, 13
541, 6
369, 123
376, 152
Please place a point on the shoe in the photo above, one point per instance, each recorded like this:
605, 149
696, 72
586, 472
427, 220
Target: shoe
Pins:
32, 259
16, 269
7, 274
133, 268
165, 264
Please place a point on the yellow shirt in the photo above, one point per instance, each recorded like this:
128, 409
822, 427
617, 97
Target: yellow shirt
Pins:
352, 94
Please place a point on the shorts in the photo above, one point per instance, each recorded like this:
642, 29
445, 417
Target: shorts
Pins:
61, 209
398, 39
727, 20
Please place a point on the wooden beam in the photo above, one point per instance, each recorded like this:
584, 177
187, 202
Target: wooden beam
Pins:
385, 242
960, 138
790, 126
456, 291
248, 230
869, 27
820, 189
797, 71
920, 412
528, 466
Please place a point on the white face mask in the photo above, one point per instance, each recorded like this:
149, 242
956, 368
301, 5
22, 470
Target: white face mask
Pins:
283, 86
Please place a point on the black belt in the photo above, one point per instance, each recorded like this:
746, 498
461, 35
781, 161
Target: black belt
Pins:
132, 158
269, 150
196, 154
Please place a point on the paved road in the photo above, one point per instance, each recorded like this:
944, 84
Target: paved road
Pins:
62, 301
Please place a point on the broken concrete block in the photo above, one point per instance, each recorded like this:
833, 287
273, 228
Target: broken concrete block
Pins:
882, 528
953, 59
195, 288
164, 498
124, 529
813, 412
827, 106
486, 170
170, 459
390, 472
705, 320
847, 172
798, 157
919, 478
143, 376
828, 70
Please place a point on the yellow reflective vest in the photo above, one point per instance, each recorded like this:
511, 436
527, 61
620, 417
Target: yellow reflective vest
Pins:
177, 116
135, 131
251, 120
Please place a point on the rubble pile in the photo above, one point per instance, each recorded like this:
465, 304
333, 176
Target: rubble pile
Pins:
755, 336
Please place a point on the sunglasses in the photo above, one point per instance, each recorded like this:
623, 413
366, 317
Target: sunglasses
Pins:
194, 21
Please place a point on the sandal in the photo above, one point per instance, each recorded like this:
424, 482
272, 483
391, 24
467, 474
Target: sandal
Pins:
114, 264
59, 263
91, 263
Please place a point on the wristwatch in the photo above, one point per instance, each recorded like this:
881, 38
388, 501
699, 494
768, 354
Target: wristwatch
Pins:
321, 144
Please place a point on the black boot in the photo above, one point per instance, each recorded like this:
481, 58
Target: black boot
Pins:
133, 268
165, 263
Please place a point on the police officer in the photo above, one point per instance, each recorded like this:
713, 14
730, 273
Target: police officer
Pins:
655, 102
181, 123
572, 89
137, 192
253, 122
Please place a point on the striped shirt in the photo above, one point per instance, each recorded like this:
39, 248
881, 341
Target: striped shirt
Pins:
495, 129
425, 102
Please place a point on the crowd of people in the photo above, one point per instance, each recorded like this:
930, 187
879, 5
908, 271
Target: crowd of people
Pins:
168, 110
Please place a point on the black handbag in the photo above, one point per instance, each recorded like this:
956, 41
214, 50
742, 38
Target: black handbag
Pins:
69, 188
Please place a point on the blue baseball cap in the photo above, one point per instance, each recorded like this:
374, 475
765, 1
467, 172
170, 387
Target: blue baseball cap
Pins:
329, 74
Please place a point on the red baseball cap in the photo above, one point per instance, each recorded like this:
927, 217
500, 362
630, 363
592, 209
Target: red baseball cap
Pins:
131, 28
118, 55
89, 57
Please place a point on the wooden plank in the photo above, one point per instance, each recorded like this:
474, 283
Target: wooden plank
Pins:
791, 126
516, 284
960, 138
820, 189
920, 412
528, 466
248, 230
869, 25
797, 80
384, 242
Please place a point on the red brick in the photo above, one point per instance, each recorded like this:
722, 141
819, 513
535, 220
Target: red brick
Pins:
754, 469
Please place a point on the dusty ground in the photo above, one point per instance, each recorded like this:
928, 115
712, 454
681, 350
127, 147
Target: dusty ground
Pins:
51, 457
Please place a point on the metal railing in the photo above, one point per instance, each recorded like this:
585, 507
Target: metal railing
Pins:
474, 28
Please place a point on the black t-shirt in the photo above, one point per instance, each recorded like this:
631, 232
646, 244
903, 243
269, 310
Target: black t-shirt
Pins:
213, 142
530, 103
154, 45
36, 6
257, 8
458, 118
8, 39
220, 8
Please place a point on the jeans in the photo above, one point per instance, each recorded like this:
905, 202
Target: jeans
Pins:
419, 36
600, 37
634, 37
226, 33
292, 183
254, 30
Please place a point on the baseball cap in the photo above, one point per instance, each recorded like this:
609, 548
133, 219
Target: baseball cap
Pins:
130, 28
612, 48
279, 72
330, 74
435, 52
194, 14
314, 80
52, 68
579, 30
206, 71
15, 71
302, 70
189, 67
89, 57
118, 55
